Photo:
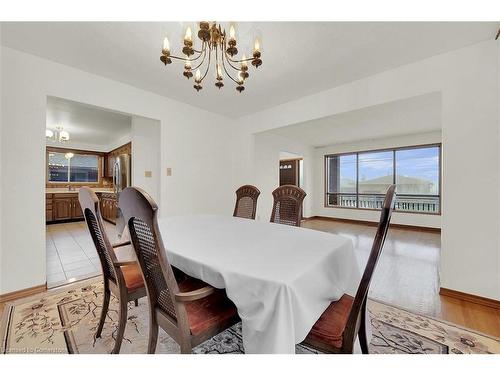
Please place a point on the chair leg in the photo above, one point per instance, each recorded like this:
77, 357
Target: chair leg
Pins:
363, 340
136, 302
122, 321
185, 348
153, 335
104, 312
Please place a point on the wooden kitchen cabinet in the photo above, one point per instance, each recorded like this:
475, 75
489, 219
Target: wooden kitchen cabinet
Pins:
62, 206
109, 165
110, 158
76, 212
109, 207
48, 208
62, 209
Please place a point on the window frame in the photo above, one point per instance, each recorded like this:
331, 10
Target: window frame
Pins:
357, 194
61, 150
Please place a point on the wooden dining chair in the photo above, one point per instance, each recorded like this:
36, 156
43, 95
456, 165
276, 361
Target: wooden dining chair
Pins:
189, 310
123, 279
287, 206
344, 320
246, 202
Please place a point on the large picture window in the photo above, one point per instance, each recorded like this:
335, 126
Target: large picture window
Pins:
360, 179
72, 167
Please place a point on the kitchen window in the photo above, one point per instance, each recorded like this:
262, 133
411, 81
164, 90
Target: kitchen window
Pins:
360, 179
68, 167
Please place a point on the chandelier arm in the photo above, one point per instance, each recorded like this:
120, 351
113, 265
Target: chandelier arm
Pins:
238, 61
208, 66
224, 53
229, 62
202, 61
187, 59
184, 59
229, 75
216, 57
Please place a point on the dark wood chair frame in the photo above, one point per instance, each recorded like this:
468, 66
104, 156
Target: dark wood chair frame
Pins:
135, 203
113, 279
356, 322
292, 192
247, 191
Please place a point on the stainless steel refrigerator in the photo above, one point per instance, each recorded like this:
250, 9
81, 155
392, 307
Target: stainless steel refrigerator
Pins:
122, 178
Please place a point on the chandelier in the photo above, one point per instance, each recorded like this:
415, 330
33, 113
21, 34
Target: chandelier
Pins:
218, 48
58, 135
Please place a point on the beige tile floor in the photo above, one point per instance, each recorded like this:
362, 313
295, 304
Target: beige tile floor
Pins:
71, 254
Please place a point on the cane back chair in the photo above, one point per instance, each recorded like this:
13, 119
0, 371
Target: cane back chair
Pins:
246, 202
287, 206
189, 310
337, 328
123, 279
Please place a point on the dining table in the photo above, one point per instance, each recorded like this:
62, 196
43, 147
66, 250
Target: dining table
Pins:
281, 278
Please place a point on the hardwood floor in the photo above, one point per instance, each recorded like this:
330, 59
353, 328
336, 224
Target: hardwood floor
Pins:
480, 318
408, 274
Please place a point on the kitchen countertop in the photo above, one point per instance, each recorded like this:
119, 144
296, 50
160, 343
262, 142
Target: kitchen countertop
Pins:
65, 190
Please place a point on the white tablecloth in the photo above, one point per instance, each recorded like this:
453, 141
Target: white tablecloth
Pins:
280, 278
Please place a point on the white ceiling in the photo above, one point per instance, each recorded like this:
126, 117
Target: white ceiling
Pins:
410, 116
298, 58
87, 125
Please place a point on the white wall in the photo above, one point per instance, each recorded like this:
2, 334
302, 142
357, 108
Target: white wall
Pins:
1, 164
468, 82
146, 155
432, 221
193, 142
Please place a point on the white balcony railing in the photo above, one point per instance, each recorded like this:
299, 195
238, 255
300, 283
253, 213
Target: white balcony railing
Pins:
405, 203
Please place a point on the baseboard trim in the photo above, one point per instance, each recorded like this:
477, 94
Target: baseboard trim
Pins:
374, 224
470, 298
7, 297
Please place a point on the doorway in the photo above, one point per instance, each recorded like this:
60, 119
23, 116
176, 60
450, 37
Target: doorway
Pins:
291, 169
106, 151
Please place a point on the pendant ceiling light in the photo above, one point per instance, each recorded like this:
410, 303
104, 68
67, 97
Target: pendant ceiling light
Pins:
57, 135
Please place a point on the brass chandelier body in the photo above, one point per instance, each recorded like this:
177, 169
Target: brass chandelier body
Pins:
217, 47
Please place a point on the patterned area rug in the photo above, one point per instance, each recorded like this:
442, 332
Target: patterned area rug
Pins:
65, 320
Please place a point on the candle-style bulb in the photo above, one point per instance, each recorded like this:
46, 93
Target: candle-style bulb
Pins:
219, 71
187, 64
166, 45
232, 32
244, 63
256, 46
188, 37
197, 76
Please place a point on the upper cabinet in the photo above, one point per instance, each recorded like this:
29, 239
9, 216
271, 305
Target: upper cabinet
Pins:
109, 162
110, 157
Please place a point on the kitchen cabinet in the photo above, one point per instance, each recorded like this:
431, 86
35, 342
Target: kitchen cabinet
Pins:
77, 212
62, 206
110, 158
109, 165
48, 208
109, 207
62, 209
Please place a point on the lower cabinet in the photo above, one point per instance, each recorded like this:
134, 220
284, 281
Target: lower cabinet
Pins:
109, 207
77, 212
49, 211
63, 206
62, 209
